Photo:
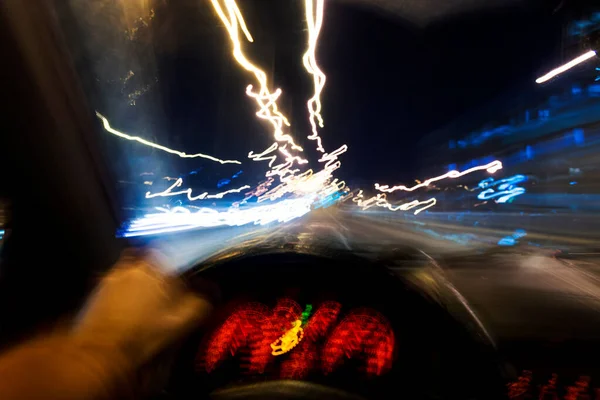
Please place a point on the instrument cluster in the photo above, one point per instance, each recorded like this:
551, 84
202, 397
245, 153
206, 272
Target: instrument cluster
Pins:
294, 341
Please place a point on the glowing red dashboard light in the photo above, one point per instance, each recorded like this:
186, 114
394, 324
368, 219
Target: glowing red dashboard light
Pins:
363, 333
306, 357
241, 330
251, 329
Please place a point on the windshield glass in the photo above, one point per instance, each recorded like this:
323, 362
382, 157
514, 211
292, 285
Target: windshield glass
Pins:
472, 124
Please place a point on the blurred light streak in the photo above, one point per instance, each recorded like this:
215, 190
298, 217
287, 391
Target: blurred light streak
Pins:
169, 192
566, 66
491, 168
292, 180
511, 240
223, 182
262, 156
415, 203
264, 98
380, 200
519, 233
233, 22
506, 188
181, 218
181, 154
507, 241
314, 21
290, 158
330, 159
513, 180
502, 196
306, 184
260, 189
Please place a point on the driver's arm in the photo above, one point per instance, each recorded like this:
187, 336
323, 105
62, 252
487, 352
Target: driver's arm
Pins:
135, 313
57, 368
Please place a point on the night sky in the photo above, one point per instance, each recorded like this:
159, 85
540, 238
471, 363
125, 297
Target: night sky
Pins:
390, 79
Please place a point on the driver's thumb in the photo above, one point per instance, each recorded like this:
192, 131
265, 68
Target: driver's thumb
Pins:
189, 312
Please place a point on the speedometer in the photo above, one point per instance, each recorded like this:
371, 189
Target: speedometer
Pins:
295, 341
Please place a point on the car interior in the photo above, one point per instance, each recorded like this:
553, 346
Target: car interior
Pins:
290, 323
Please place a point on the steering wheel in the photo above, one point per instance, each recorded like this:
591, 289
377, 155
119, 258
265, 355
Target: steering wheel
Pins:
282, 389
366, 285
228, 383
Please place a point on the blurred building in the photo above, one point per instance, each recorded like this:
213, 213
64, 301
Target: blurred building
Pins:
530, 123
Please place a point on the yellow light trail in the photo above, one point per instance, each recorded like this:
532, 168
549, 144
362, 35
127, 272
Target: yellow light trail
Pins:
491, 168
234, 21
314, 21
138, 139
169, 192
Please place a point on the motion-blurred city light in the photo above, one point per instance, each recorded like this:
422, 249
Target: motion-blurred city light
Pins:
566, 66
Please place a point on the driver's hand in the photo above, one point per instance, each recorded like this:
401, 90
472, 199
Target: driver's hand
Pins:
139, 311
136, 312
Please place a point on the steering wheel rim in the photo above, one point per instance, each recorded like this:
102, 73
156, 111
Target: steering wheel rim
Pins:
282, 389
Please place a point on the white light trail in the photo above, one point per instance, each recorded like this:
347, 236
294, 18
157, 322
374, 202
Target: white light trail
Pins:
169, 192
308, 181
292, 180
415, 203
138, 139
305, 184
330, 159
262, 156
565, 67
266, 100
314, 21
181, 218
380, 200
491, 168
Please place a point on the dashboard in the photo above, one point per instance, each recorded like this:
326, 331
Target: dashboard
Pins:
339, 323
255, 337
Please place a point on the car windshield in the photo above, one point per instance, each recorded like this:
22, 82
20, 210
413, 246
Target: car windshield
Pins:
474, 124
471, 123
